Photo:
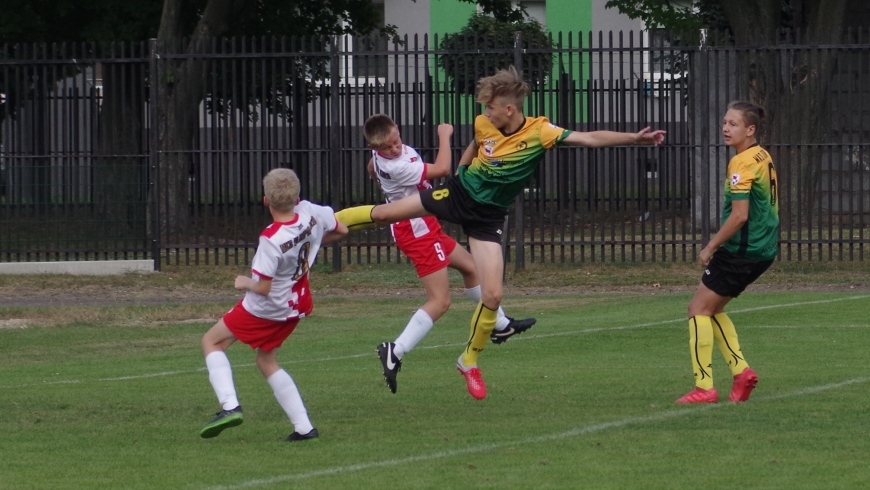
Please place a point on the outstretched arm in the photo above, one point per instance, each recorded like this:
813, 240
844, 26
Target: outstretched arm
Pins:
601, 139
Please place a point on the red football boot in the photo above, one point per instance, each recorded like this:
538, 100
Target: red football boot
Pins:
743, 385
700, 395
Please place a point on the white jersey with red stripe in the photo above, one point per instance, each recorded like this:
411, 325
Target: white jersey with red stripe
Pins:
285, 254
401, 177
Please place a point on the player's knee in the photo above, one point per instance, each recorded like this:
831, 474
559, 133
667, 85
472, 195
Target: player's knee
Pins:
267, 366
443, 305
492, 300
438, 306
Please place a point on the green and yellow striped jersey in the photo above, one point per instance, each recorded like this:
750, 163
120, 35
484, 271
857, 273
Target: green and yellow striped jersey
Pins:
504, 162
752, 176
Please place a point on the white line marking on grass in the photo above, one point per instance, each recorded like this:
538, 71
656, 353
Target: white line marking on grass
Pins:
530, 337
577, 431
804, 326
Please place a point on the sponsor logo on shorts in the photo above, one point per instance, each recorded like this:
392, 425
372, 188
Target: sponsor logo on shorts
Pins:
498, 231
707, 271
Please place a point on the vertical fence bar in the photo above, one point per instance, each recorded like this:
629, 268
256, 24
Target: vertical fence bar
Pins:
334, 135
519, 203
153, 158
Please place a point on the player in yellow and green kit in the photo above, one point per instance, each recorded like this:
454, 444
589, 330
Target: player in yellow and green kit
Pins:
494, 169
742, 249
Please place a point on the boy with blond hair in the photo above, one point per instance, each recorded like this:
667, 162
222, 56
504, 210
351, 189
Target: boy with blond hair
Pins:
494, 169
277, 296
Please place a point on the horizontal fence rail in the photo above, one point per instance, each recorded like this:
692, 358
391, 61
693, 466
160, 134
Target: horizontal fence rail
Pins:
157, 150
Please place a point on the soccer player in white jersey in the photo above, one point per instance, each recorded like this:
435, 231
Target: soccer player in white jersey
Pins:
277, 296
401, 172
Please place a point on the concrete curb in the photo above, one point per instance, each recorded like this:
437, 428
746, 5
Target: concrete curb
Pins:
78, 268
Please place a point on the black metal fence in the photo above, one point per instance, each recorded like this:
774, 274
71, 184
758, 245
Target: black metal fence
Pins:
157, 151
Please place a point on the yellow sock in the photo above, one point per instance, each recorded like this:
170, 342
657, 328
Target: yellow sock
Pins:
482, 324
357, 217
726, 339
701, 347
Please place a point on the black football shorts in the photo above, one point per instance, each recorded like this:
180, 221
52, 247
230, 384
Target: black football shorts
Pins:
728, 274
451, 202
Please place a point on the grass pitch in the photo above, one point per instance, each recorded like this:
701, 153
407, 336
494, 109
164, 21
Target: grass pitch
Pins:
583, 400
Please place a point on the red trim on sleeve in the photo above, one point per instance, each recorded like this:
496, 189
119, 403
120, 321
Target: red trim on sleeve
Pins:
263, 276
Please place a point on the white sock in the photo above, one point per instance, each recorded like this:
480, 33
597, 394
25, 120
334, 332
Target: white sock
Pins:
501, 321
290, 400
220, 374
417, 328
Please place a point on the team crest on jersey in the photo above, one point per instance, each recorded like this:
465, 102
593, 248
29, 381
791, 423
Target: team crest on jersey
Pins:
522, 145
735, 179
413, 159
488, 150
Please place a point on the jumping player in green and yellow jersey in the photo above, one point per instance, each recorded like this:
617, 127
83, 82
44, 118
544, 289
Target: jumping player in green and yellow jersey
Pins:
494, 169
743, 248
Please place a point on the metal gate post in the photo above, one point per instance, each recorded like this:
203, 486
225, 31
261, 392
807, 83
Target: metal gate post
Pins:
520, 260
334, 141
153, 160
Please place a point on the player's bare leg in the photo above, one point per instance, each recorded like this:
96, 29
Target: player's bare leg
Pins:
382, 214
489, 266
405, 208
505, 326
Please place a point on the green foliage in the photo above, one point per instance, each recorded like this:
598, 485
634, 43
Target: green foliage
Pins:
494, 39
26, 21
501, 10
658, 13
123, 20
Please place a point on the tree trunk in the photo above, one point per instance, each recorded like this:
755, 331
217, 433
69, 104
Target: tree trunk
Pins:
179, 94
120, 163
792, 84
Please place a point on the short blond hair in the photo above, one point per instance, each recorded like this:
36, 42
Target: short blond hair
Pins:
507, 85
377, 128
281, 187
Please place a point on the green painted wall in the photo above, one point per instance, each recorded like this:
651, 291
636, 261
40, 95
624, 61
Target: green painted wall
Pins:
448, 16
565, 16
569, 16
572, 18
